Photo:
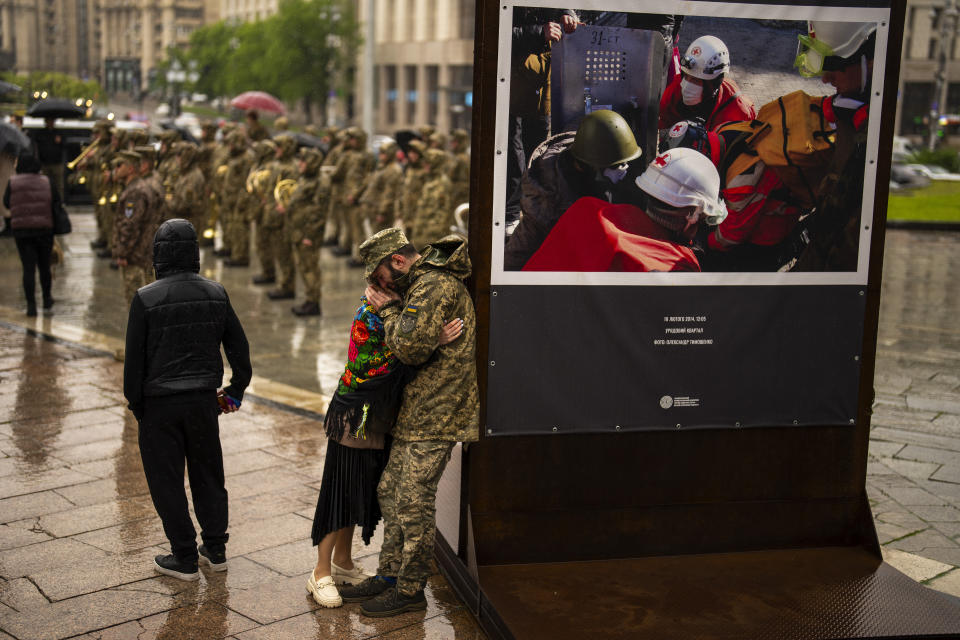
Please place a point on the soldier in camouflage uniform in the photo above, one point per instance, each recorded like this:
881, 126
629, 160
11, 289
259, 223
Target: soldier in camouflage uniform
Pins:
434, 213
277, 238
218, 168
140, 217
91, 170
337, 140
250, 203
459, 168
352, 171
110, 189
379, 200
148, 174
306, 216
413, 181
167, 160
188, 197
439, 407
233, 199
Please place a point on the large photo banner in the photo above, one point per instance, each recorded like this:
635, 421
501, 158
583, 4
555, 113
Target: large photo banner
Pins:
683, 209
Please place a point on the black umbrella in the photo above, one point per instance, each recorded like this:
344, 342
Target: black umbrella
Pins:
404, 137
307, 140
56, 108
183, 131
8, 87
12, 140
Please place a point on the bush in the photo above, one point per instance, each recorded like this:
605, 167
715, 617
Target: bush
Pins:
946, 158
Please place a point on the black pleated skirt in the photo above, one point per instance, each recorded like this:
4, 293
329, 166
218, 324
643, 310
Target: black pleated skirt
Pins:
348, 490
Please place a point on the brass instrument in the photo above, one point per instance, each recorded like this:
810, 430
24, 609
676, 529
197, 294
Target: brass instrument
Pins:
83, 154
114, 197
102, 201
283, 192
257, 181
222, 170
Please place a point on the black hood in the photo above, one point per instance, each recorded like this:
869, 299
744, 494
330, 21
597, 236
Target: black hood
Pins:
175, 248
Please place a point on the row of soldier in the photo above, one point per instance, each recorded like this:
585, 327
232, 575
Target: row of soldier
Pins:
297, 198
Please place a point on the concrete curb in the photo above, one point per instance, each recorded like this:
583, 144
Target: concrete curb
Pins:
917, 225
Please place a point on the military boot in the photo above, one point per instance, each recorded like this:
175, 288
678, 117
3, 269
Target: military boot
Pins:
308, 308
280, 294
392, 603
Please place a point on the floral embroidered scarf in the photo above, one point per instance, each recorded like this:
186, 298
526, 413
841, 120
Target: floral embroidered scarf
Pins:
368, 393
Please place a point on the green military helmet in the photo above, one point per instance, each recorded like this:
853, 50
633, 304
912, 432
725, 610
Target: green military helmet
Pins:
604, 139
139, 137
264, 149
148, 152
426, 131
311, 130
438, 140
281, 123
390, 148
169, 136
236, 139
312, 159
460, 138
436, 159
286, 143
186, 151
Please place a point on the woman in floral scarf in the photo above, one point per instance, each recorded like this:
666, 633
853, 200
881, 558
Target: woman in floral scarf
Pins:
357, 425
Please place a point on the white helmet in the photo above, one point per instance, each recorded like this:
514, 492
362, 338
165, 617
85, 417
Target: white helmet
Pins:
682, 178
844, 38
706, 58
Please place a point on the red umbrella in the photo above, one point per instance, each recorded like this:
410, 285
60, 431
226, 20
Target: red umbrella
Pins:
259, 100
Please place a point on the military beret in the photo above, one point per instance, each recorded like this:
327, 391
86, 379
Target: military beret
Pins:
380, 245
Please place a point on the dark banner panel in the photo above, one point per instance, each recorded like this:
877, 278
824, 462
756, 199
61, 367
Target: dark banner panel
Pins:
601, 359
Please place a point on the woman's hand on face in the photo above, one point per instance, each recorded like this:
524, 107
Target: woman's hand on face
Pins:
451, 331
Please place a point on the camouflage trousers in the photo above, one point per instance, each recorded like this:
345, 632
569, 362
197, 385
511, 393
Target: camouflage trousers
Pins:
335, 224
408, 501
308, 264
356, 232
236, 231
267, 240
134, 277
286, 279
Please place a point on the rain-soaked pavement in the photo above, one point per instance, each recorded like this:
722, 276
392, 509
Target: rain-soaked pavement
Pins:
78, 530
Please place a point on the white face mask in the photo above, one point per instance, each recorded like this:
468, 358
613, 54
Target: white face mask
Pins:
617, 173
692, 93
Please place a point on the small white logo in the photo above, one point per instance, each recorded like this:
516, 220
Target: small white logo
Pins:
666, 402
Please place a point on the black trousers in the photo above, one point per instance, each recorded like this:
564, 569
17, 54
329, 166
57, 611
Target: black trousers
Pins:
177, 428
35, 256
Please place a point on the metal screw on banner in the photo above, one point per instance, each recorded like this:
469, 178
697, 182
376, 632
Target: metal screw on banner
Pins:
493, 363
555, 429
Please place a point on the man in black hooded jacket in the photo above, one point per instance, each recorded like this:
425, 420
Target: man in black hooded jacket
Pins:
171, 377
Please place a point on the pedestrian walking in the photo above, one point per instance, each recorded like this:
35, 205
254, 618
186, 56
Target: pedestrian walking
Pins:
32, 200
416, 295
170, 379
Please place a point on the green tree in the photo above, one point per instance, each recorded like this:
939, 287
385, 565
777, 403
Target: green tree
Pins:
311, 43
212, 47
57, 85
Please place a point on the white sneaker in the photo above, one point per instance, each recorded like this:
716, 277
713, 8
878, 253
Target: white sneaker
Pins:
324, 591
349, 576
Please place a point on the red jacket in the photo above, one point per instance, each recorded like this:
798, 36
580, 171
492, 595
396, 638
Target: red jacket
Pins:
758, 210
731, 106
594, 235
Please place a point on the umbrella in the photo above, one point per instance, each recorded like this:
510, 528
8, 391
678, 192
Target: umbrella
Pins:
8, 87
183, 131
12, 140
56, 108
404, 137
307, 140
258, 100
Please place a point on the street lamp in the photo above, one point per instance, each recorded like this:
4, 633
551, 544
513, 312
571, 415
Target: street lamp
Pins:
947, 18
176, 76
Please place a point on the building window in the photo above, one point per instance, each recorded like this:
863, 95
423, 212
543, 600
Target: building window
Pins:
467, 9
914, 115
390, 82
410, 100
433, 92
460, 93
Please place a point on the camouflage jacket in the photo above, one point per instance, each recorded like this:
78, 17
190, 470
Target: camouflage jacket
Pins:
410, 191
280, 169
460, 178
351, 172
307, 212
188, 200
442, 401
382, 192
169, 171
234, 183
434, 213
139, 212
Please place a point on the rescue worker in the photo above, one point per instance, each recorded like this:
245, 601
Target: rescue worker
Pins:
681, 189
306, 215
434, 212
251, 204
595, 161
459, 167
414, 178
416, 295
188, 199
702, 91
761, 214
380, 197
139, 220
277, 240
841, 53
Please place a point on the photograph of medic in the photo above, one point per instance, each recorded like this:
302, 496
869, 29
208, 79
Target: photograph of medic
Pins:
583, 201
